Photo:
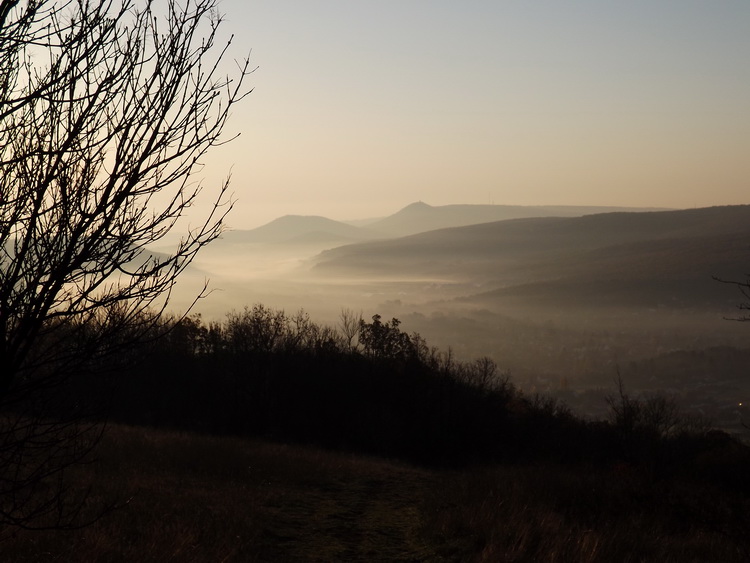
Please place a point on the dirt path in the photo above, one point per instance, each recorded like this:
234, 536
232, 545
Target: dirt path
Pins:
191, 499
372, 516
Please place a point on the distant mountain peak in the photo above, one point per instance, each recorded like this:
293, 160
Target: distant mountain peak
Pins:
295, 218
417, 205
297, 227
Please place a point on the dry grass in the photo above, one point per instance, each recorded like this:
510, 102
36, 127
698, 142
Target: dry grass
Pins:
550, 514
191, 498
188, 498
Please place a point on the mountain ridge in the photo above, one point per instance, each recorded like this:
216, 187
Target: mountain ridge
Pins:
294, 228
683, 248
421, 217
415, 218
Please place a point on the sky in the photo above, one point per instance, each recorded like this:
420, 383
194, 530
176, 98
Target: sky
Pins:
361, 108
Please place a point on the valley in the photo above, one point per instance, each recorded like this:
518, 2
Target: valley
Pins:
563, 304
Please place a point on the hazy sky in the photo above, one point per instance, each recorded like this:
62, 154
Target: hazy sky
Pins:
361, 108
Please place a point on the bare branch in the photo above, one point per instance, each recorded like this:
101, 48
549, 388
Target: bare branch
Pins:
107, 109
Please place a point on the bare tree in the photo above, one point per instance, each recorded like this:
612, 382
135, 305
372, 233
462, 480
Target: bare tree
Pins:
744, 306
106, 110
349, 323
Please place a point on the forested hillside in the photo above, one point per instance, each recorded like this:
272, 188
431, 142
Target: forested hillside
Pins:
364, 407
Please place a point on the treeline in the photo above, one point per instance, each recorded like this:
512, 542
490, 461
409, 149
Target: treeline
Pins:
370, 387
364, 386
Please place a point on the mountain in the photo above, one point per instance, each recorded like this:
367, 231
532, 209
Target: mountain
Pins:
415, 218
420, 217
627, 256
296, 229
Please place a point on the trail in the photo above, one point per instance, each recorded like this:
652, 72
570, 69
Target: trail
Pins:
370, 517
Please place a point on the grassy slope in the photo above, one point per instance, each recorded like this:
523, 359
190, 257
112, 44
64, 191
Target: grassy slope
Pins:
542, 486
193, 498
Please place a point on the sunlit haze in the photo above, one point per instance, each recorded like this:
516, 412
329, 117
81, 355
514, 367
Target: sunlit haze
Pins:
361, 108
469, 294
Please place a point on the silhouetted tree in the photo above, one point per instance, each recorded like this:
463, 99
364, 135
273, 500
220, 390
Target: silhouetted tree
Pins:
349, 323
744, 288
106, 110
385, 339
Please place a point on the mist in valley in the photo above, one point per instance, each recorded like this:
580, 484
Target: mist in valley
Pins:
565, 305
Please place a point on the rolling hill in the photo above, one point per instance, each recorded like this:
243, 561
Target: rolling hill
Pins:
415, 218
420, 217
297, 229
644, 257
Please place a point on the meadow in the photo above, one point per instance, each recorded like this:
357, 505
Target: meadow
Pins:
186, 497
